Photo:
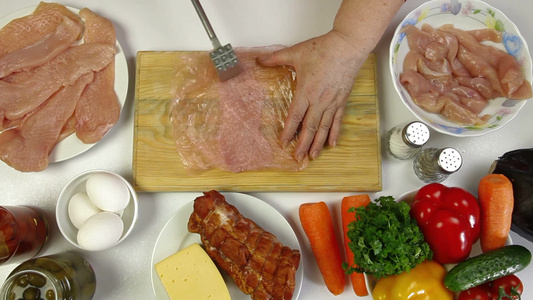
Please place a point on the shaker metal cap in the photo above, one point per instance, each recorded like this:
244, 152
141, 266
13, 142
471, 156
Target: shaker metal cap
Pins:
416, 134
449, 159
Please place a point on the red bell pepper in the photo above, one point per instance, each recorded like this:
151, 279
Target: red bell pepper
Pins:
449, 219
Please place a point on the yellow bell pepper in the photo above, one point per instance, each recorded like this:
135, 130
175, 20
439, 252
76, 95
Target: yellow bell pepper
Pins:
424, 282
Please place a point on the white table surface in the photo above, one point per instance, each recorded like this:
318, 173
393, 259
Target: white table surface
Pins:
124, 271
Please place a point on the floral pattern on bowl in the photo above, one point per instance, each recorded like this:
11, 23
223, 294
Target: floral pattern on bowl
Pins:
466, 15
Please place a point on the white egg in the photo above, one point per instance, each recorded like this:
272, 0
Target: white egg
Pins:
108, 192
81, 208
101, 231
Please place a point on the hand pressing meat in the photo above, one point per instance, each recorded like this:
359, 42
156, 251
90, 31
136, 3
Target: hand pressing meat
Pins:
260, 265
232, 125
326, 68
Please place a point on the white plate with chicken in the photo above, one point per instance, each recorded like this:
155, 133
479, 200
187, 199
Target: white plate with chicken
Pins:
176, 235
460, 66
52, 129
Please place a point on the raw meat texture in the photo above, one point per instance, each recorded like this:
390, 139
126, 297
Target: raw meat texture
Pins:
28, 30
43, 51
487, 34
435, 69
523, 92
416, 83
460, 113
470, 98
69, 128
480, 84
487, 53
98, 109
431, 102
510, 76
42, 63
18, 99
417, 39
410, 61
27, 147
451, 72
479, 67
260, 265
233, 125
440, 44
19, 76
458, 69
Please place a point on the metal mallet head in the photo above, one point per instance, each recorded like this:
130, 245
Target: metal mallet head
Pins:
223, 57
226, 62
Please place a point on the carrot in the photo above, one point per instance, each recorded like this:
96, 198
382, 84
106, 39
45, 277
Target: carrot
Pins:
357, 279
318, 226
495, 192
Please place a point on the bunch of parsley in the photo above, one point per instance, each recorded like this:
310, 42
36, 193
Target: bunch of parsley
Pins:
385, 239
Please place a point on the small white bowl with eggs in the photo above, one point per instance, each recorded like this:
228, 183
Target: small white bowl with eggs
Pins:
97, 210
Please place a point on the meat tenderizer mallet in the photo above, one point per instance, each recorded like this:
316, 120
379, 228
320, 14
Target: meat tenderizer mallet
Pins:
223, 57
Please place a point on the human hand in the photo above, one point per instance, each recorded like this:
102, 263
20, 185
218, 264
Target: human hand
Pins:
326, 68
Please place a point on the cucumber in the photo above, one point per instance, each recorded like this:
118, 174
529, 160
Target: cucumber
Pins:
486, 267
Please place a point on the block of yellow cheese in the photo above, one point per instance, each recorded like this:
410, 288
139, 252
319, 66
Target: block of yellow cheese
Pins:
191, 274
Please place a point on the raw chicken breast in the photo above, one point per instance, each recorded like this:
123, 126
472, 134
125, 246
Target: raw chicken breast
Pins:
479, 67
98, 109
487, 53
43, 51
435, 69
43, 74
510, 75
18, 99
523, 92
487, 34
431, 102
233, 125
30, 29
416, 84
449, 71
480, 84
69, 128
410, 61
459, 113
27, 147
470, 98
417, 39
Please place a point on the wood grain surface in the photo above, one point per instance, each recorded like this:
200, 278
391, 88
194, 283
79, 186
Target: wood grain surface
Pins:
354, 165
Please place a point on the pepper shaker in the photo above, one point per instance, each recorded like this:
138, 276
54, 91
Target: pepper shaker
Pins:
435, 165
406, 141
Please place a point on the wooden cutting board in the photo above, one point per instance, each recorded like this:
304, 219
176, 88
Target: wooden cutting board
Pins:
354, 165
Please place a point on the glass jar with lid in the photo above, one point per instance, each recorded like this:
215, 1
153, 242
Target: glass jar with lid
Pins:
23, 233
63, 276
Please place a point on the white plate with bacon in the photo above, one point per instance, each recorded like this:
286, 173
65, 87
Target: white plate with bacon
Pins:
71, 146
175, 236
446, 17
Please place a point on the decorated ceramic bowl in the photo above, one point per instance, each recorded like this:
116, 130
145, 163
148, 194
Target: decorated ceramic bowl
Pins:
465, 15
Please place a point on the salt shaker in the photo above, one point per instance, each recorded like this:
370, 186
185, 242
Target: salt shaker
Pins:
435, 165
406, 141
